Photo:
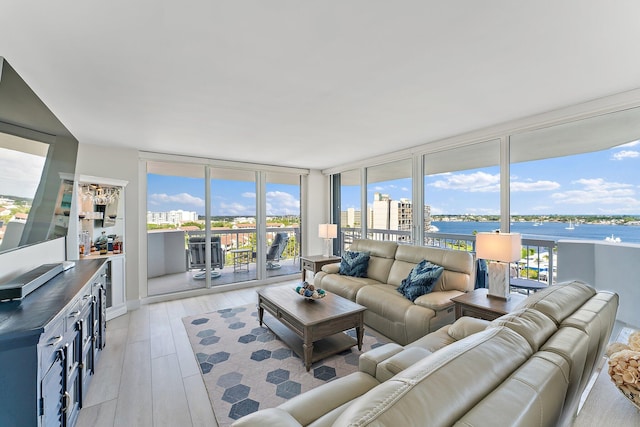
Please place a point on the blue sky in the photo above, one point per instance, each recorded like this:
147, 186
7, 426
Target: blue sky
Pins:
600, 183
230, 198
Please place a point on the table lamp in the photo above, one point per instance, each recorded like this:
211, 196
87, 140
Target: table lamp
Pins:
499, 249
328, 232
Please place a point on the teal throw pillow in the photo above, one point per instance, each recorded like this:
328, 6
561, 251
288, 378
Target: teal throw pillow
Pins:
420, 280
354, 264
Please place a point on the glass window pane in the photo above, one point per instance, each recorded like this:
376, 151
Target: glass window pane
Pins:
389, 201
283, 224
461, 193
175, 207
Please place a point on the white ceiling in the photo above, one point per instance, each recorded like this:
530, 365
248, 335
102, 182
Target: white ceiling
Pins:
312, 84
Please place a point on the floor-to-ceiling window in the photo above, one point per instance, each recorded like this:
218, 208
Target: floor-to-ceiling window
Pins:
389, 201
234, 222
282, 231
575, 180
350, 211
461, 192
214, 223
175, 208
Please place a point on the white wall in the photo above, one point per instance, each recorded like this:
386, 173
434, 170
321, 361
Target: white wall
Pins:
19, 261
316, 211
605, 266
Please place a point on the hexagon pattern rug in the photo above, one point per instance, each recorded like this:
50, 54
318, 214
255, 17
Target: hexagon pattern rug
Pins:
246, 367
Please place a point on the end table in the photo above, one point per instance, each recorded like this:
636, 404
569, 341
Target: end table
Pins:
477, 304
315, 262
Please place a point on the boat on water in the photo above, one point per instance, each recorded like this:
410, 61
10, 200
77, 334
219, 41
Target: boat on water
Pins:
570, 227
613, 239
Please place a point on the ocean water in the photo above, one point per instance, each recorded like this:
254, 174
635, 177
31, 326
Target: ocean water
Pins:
548, 230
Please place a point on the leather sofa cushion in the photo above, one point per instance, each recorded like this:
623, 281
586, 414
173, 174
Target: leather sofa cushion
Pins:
459, 267
313, 404
532, 396
345, 286
444, 386
381, 257
567, 298
534, 326
399, 362
465, 326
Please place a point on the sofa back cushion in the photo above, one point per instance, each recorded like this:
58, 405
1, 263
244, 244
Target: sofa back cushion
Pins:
441, 388
381, 256
459, 266
532, 396
532, 325
559, 301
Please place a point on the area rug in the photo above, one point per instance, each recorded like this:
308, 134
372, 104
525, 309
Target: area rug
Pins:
245, 367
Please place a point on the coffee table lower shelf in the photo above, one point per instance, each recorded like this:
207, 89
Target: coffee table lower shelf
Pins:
322, 348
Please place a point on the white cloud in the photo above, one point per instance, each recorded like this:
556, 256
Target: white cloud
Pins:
249, 195
234, 209
475, 182
405, 189
625, 154
282, 203
181, 198
601, 193
534, 186
629, 144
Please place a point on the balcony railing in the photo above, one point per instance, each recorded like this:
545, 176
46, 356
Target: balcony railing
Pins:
538, 261
245, 238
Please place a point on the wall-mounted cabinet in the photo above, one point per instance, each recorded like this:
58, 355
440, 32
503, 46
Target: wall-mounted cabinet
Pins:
99, 231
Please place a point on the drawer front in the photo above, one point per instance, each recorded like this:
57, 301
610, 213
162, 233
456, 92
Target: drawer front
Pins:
50, 342
307, 265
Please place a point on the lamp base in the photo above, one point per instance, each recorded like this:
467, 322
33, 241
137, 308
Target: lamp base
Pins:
499, 286
328, 248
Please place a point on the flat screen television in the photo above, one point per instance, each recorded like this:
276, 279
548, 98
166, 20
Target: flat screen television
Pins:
37, 166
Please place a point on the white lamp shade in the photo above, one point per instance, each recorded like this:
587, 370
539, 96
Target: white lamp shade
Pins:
504, 247
328, 231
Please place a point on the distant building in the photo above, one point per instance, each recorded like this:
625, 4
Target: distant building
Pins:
172, 217
387, 214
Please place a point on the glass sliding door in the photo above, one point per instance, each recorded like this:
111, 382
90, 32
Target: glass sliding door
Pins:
351, 214
234, 223
461, 194
282, 249
175, 208
389, 204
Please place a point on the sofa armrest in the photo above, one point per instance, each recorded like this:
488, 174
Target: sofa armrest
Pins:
465, 326
331, 268
399, 362
438, 300
448, 334
368, 362
271, 417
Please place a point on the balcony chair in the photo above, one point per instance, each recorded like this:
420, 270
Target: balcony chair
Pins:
276, 249
197, 256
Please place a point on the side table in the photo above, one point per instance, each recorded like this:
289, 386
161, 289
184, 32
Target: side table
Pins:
477, 304
241, 259
315, 262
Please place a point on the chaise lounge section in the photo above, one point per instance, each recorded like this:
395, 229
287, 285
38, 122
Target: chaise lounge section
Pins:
526, 368
388, 311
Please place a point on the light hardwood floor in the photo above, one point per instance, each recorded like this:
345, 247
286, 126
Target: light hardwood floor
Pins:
147, 374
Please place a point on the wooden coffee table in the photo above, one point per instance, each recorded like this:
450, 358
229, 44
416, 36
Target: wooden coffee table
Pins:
312, 329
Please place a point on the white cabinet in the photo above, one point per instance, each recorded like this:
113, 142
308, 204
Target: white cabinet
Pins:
116, 299
95, 215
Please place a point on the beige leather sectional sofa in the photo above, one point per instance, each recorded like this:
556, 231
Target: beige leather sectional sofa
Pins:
527, 368
388, 311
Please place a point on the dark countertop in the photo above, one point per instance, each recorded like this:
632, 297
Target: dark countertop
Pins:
29, 316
